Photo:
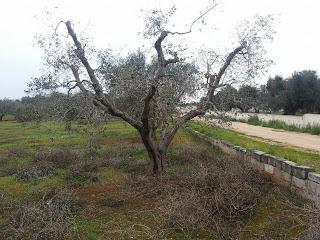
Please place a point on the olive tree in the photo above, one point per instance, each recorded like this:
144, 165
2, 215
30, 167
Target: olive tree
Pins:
7, 106
153, 90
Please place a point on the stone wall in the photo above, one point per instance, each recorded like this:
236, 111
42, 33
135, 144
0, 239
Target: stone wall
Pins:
300, 179
299, 121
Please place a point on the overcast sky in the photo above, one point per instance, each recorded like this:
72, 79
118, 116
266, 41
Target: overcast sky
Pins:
115, 24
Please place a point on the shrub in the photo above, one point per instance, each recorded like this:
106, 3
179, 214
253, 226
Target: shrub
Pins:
206, 192
254, 120
61, 158
219, 193
83, 171
312, 233
49, 218
7, 201
31, 172
313, 129
112, 202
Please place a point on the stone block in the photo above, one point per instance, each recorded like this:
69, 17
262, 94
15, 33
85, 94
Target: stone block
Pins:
282, 178
315, 177
299, 183
256, 164
243, 150
301, 171
271, 159
286, 176
258, 155
207, 139
250, 152
224, 143
214, 142
228, 144
265, 158
287, 166
313, 187
236, 147
278, 162
268, 169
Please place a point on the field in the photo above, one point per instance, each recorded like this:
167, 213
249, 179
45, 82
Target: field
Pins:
96, 183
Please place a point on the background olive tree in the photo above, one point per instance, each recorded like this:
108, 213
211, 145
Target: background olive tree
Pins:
297, 94
147, 93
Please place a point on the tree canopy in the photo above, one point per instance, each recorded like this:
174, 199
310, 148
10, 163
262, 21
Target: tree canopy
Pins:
147, 94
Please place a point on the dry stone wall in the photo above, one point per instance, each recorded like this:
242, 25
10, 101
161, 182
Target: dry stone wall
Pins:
299, 121
300, 179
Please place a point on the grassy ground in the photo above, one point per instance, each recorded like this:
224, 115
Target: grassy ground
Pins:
296, 155
109, 193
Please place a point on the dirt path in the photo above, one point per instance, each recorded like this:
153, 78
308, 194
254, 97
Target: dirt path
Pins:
283, 137
301, 140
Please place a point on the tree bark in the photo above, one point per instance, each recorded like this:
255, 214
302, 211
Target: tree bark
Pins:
1, 116
153, 152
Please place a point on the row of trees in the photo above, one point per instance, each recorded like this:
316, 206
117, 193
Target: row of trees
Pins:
299, 93
26, 109
54, 106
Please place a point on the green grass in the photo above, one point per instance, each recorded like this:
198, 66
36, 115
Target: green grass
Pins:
296, 155
14, 135
8, 117
88, 229
312, 129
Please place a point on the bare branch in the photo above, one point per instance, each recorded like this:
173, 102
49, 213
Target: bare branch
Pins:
81, 55
228, 61
99, 97
195, 21
56, 28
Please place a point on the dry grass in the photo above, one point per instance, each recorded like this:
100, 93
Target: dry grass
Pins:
313, 233
61, 158
208, 193
29, 172
50, 217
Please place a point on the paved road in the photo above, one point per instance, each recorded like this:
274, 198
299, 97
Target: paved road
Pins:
301, 140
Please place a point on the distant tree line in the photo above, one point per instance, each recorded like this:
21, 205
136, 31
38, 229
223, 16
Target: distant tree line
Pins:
300, 93
54, 106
